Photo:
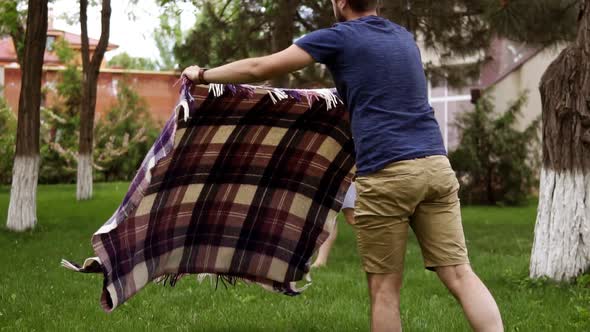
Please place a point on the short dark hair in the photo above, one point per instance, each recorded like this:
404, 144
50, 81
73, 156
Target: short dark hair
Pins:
362, 5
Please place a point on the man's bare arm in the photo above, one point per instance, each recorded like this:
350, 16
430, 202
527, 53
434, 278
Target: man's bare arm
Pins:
255, 69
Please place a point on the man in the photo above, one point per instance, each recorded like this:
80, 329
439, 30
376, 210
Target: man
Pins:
404, 178
348, 211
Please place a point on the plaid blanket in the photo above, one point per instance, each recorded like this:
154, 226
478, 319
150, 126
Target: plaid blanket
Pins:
240, 185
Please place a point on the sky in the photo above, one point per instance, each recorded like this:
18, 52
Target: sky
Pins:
134, 36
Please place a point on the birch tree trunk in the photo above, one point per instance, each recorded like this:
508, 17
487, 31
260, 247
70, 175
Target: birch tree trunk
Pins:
22, 209
90, 68
561, 249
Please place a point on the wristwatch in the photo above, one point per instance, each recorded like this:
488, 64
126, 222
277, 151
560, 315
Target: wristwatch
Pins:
202, 76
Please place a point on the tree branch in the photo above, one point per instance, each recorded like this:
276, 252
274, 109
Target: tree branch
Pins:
84, 32
103, 42
18, 40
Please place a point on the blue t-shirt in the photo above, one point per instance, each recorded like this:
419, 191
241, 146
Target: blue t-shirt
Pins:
378, 72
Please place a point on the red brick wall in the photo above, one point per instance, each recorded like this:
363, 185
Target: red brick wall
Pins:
156, 88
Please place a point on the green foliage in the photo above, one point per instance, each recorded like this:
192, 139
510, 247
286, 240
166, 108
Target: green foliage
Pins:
60, 123
225, 31
526, 21
495, 162
123, 137
126, 61
12, 23
59, 138
233, 29
166, 36
7, 141
230, 30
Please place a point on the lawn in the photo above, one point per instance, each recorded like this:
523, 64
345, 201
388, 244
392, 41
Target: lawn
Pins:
36, 294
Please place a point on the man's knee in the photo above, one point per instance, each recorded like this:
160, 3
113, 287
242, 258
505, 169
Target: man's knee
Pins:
454, 277
385, 287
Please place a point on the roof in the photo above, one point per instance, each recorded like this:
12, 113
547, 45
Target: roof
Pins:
8, 52
505, 56
75, 40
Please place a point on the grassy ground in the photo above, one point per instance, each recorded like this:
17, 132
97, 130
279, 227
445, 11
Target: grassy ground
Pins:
36, 294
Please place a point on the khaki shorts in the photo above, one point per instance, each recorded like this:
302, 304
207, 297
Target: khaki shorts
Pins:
420, 193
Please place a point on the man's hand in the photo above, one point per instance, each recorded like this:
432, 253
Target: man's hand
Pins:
192, 73
253, 69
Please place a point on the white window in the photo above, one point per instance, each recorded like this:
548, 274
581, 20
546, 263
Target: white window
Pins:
447, 103
49, 43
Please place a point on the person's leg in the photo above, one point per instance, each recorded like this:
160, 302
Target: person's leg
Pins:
384, 290
439, 230
325, 248
382, 246
478, 303
349, 216
386, 199
348, 211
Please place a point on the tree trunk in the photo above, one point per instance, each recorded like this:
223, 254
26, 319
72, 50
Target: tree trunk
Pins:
561, 249
91, 68
22, 210
284, 15
490, 186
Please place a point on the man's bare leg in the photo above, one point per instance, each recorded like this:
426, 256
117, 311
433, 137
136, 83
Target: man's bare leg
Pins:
478, 304
325, 249
384, 290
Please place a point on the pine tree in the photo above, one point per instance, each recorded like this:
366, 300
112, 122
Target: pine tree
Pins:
561, 249
453, 29
230, 30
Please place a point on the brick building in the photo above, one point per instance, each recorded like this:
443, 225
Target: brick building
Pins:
156, 88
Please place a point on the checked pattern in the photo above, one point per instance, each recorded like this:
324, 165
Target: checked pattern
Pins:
247, 188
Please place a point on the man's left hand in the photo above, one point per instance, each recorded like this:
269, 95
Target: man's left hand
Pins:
192, 73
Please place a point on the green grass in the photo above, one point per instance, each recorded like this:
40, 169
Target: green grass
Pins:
36, 294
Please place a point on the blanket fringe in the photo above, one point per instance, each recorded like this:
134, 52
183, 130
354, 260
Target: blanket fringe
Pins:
231, 281
215, 279
330, 96
91, 265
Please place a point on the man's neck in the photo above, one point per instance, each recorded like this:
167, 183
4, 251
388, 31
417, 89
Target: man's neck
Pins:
355, 16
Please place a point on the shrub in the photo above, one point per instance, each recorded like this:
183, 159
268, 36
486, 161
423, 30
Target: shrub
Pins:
60, 123
7, 141
496, 163
121, 140
123, 137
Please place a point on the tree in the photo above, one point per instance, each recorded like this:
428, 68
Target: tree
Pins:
561, 248
22, 210
452, 29
126, 61
166, 36
90, 69
283, 30
61, 121
267, 26
493, 160
220, 30
12, 23
123, 136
